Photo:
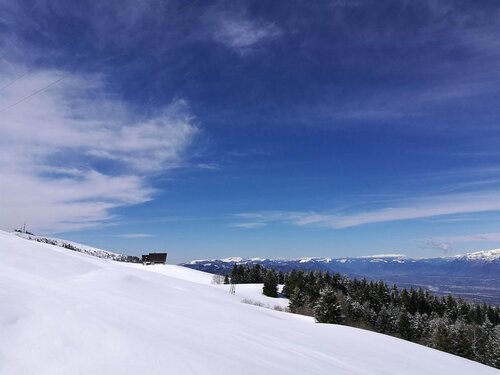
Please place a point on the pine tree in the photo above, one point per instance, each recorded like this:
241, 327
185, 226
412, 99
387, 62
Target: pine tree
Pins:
461, 344
270, 288
404, 325
226, 279
327, 309
489, 350
256, 274
355, 310
441, 339
297, 300
420, 326
235, 277
281, 278
383, 322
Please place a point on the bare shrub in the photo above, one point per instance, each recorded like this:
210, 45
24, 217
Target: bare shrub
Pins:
218, 279
255, 303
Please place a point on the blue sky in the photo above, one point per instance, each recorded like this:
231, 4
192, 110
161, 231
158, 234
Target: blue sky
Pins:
253, 128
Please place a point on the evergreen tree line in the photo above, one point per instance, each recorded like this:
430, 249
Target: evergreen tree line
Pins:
470, 330
244, 274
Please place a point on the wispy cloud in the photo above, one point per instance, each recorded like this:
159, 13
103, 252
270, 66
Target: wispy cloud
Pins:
249, 225
446, 243
58, 148
441, 246
240, 33
208, 166
478, 237
475, 202
448, 76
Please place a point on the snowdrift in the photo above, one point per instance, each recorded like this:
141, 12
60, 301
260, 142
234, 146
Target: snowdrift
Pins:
64, 312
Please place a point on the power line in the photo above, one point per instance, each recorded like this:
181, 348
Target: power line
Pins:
186, 5
15, 80
32, 94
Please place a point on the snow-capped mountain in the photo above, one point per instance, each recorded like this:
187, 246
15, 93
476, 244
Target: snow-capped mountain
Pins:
473, 276
485, 255
66, 312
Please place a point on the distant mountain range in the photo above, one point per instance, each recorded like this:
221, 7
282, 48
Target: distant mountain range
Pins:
474, 276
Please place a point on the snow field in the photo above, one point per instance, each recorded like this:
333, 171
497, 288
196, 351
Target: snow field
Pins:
63, 312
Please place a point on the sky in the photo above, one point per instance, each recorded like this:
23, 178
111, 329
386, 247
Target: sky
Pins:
253, 128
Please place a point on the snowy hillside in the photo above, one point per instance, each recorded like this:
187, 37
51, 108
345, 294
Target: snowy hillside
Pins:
79, 247
64, 312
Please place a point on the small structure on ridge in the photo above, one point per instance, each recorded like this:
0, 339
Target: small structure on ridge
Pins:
154, 258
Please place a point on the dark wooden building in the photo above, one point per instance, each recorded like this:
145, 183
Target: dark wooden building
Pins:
154, 258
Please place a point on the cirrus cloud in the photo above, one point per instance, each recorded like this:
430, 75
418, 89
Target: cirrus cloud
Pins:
425, 207
73, 153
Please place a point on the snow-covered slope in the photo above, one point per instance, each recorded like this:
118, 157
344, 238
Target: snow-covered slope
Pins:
79, 247
64, 312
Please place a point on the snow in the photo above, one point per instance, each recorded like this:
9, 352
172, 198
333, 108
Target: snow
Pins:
177, 272
313, 259
224, 260
64, 312
75, 246
384, 256
399, 261
486, 255
253, 293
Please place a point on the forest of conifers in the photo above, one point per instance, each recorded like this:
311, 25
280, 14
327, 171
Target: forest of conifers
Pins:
450, 324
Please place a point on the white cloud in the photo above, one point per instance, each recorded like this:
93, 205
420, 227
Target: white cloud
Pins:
485, 201
71, 154
250, 225
242, 34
